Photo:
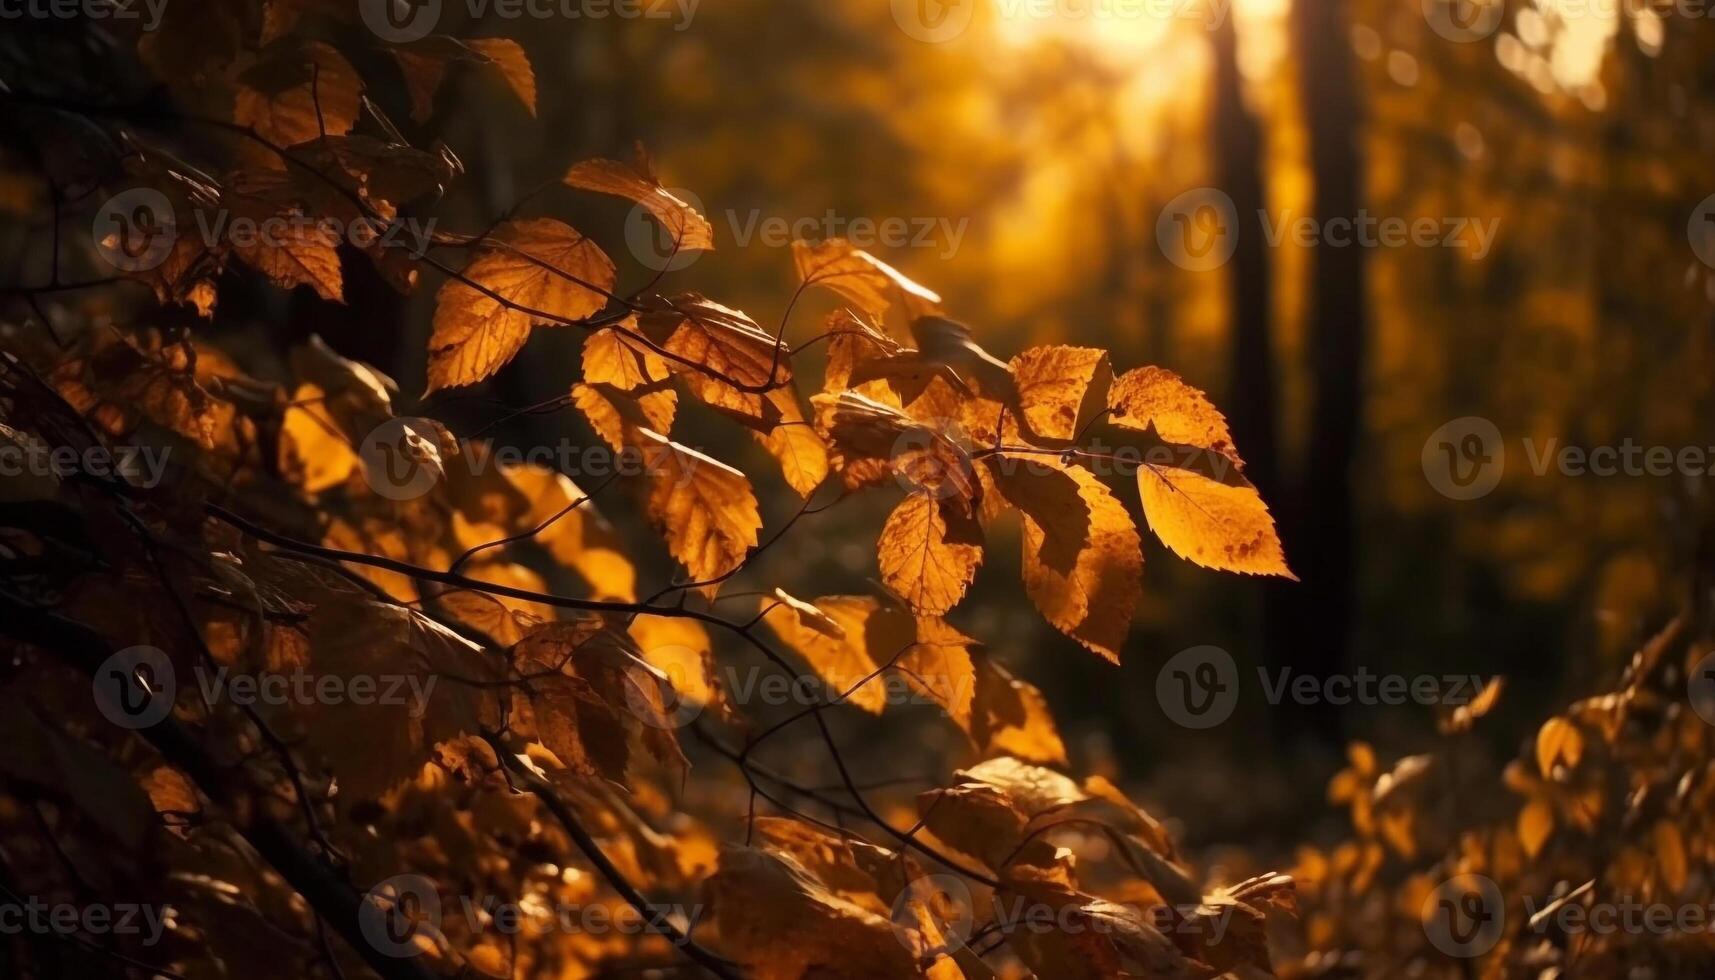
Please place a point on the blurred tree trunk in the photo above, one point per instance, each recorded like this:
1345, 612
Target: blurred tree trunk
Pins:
1238, 156
1319, 535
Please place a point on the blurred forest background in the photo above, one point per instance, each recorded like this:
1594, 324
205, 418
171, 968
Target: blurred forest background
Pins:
1050, 147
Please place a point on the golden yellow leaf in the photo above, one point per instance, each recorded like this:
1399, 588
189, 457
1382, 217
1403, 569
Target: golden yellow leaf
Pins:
1083, 560
793, 442
1209, 523
1670, 855
679, 648
1059, 388
525, 266
1558, 742
929, 553
610, 357
811, 616
617, 415
722, 340
1535, 824
837, 641
636, 183
867, 282
1181, 414
705, 508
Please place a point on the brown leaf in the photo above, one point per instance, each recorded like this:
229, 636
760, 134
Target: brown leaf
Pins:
508, 58
295, 95
534, 269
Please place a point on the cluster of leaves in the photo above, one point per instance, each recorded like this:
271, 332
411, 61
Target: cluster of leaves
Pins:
545, 765
1605, 810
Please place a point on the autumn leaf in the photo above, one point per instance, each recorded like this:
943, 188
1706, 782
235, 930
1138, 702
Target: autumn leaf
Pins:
507, 57
929, 553
1558, 742
636, 182
1216, 525
1083, 561
705, 508
314, 451
707, 338
868, 283
794, 443
617, 415
538, 269
611, 357
1011, 717
834, 636
290, 249
1060, 388
297, 95
1154, 397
